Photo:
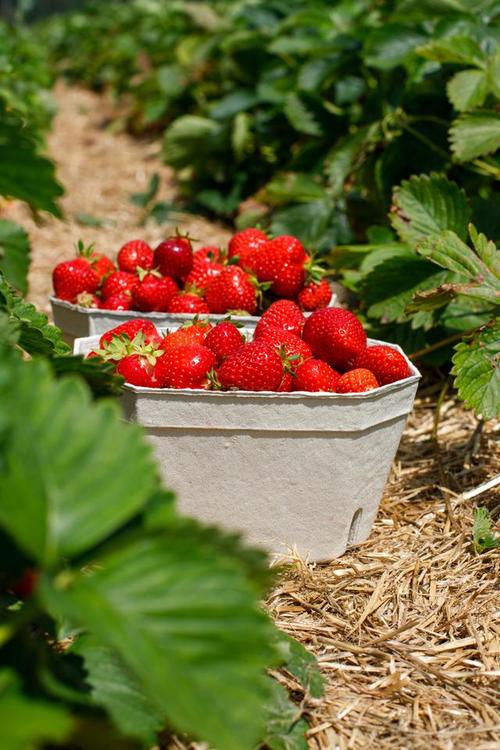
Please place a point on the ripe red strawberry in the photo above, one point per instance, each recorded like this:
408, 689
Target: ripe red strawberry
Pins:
85, 299
133, 255
386, 363
287, 382
288, 248
231, 290
296, 350
224, 339
185, 302
244, 245
153, 293
138, 370
202, 273
289, 280
357, 381
102, 265
315, 295
186, 366
335, 335
193, 332
174, 257
209, 253
24, 586
315, 375
119, 301
130, 329
71, 277
120, 281
254, 367
284, 314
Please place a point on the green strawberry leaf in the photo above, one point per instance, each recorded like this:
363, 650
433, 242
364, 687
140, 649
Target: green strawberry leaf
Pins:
185, 623
15, 252
467, 89
286, 729
60, 497
483, 538
299, 115
459, 49
426, 204
475, 134
302, 665
476, 367
347, 154
27, 723
37, 335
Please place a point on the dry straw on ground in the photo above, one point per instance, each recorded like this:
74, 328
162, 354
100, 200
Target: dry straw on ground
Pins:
405, 626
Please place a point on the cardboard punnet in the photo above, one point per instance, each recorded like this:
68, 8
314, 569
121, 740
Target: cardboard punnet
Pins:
78, 322
300, 470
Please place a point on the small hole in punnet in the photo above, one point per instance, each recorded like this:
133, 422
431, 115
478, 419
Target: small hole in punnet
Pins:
353, 530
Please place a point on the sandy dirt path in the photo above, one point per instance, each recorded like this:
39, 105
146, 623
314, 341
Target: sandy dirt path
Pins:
99, 171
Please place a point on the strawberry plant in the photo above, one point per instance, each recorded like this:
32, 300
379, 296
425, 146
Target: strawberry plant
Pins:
120, 618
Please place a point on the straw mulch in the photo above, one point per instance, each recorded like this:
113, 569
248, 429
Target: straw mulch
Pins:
405, 626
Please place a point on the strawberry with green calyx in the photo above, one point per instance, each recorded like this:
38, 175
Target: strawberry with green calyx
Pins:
130, 329
192, 332
119, 301
253, 367
335, 335
72, 277
202, 273
315, 295
153, 292
147, 345
85, 299
357, 381
101, 264
315, 375
133, 255
287, 381
281, 261
207, 253
137, 370
283, 314
119, 281
387, 364
188, 301
185, 366
295, 349
224, 339
244, 246
233, 289
174, 256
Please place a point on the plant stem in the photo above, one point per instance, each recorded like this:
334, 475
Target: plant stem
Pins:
432, 348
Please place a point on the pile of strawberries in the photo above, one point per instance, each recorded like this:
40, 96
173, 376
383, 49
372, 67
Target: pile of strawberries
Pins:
175, 279
326, 352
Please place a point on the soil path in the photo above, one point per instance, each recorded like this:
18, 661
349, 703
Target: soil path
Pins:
99, 171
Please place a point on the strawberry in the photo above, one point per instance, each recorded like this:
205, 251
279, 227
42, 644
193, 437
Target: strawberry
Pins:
71, 277
357, 381
153, 293
295, 350
254, 367
335, 335
284, 314
102, 265
386, 363
85, 299
287, 382
209, 253
193, 332
174, 257
186, 302
186, 366
315, 375
133, 255
315, 295
119, 301
24, 586
202, 273
137, 370
224, 339
289, 280
119, 281
130, 329
244, 246
231, 290
288, 248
